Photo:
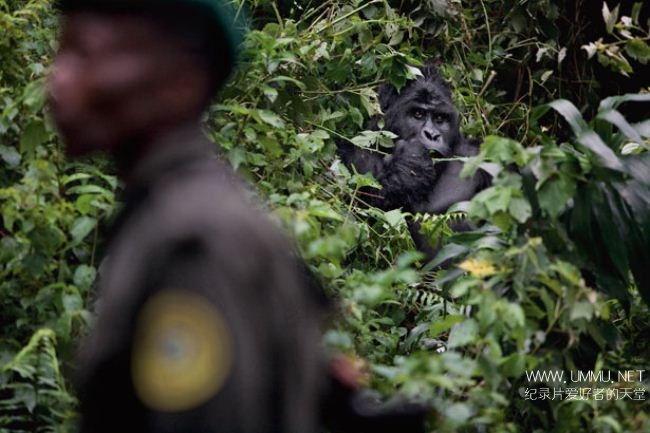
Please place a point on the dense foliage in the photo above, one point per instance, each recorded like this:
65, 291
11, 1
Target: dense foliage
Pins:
552, 280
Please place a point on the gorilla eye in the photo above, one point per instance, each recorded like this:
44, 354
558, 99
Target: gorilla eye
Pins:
440, 118
418, 113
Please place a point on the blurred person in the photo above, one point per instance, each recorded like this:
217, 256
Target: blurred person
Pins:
205, 321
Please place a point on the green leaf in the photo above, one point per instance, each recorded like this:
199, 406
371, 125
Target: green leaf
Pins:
605, 155
458, 412
512, 314
323, 210
369, 138
610, 17
84, 203
636, 10
582, 222
396, 38
613, 225
638, 49
499, 200
361, 180
613, 102
10, 155
283, 79
34, 94
89, 189
84, 276
616, 118
554, 194
271, 118
271, 145
514, 365
395, 218
582, 310
520, 209
504, 150
368, 99
461, 286
81, 227
440, 326
568, 272
71, 300
236, 156
642, 128
338, 339
26, 394
370, 295
449, 251
463, 334
408, 258
270, 93
33, 135
571, 115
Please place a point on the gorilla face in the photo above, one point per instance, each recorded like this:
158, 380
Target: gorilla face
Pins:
424, 111
434, 127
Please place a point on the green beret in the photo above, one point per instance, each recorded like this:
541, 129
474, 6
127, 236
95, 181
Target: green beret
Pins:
227, 26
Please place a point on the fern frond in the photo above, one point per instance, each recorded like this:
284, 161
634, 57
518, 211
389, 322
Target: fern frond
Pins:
34, 396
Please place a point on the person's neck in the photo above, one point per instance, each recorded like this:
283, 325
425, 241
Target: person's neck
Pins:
136, 148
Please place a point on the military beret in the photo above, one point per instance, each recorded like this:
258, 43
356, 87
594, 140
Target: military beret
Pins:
226, 30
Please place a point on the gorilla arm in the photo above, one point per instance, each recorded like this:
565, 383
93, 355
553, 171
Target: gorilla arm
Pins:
449, 188
406, 175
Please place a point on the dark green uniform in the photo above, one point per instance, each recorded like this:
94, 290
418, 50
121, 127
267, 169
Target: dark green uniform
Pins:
204, 323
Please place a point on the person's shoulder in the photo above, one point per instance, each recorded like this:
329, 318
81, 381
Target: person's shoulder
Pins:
208, 197
197, 187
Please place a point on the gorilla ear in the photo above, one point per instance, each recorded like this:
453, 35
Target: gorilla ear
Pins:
387, 94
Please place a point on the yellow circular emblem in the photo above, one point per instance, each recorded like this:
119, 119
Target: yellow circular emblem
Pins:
182, 351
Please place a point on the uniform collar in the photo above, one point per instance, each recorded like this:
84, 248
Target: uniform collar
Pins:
186, 142
170, 151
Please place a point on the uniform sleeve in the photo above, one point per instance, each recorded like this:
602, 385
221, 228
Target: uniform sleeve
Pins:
186, 363
225, 341
182, 351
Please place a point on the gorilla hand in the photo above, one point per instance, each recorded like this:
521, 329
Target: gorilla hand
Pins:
407, 175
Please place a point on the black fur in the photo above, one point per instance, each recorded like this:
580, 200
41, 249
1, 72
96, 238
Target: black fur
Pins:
426, 123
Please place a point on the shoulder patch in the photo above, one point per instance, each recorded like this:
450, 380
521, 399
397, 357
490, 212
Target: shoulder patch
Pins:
182, 351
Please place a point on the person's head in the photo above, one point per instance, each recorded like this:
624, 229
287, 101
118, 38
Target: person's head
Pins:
126, 70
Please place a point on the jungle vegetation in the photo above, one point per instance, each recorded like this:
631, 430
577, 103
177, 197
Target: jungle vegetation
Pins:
553, 279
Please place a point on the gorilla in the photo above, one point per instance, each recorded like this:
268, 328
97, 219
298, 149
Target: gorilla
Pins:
426, 123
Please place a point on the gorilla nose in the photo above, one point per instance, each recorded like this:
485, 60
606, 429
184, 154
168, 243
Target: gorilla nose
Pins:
431, 136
